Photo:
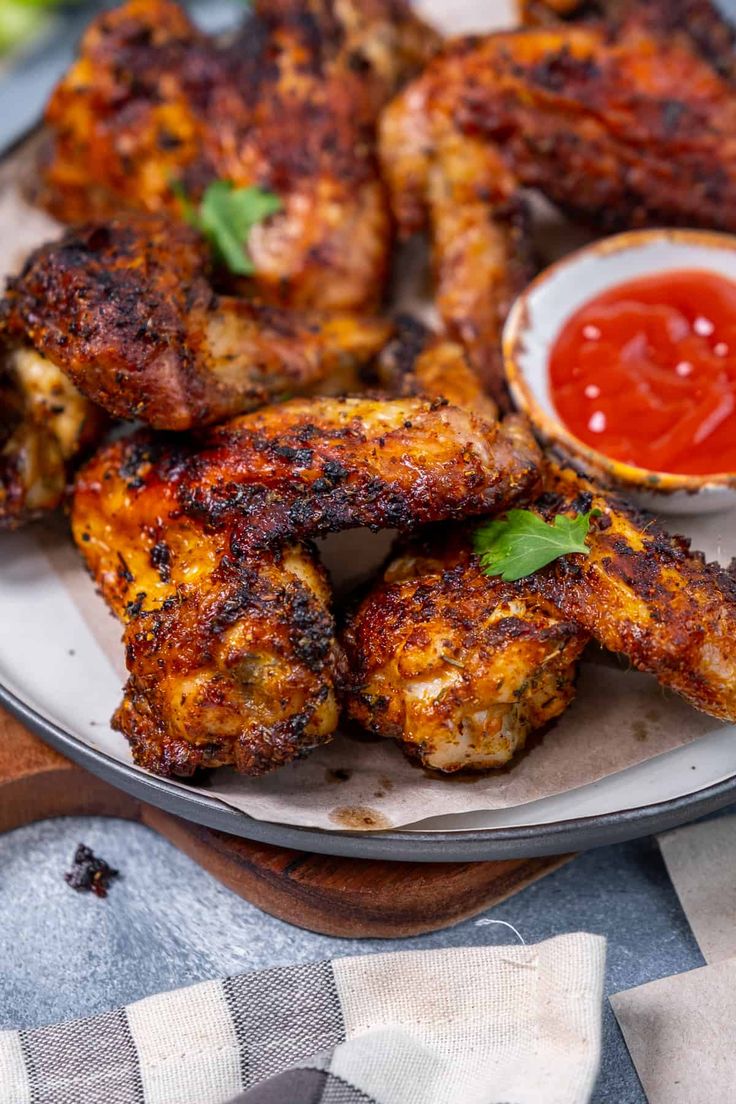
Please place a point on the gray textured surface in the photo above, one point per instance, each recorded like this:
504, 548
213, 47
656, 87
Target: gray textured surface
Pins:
167, 923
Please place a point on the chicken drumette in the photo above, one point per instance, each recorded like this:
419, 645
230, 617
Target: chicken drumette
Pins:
45, 423
126, 309
201, 550
620, 123
459, 667
289, 104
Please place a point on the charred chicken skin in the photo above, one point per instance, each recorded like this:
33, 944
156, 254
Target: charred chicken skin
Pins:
456, 666
700, 22
126, 309
45, 423
621, 127
645, 594
418, 362
459, 667
200, 549
289, 105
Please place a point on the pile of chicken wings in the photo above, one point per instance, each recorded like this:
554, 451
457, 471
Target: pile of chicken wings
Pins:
277, 406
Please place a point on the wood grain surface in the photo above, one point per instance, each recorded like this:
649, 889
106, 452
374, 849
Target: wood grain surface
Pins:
334, 896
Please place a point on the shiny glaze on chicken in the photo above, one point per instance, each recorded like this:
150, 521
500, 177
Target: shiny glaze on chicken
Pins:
200, 549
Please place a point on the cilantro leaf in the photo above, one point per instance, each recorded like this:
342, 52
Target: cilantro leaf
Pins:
518, 544
226, 215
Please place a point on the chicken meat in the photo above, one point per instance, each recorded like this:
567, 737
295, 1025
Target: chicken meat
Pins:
458, 667
152, 107
621, 124
201, 548
45, 424
701, 22
645, 594
419, 362
127, 311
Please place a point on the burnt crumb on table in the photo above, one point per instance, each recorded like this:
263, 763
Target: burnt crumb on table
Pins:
90, 874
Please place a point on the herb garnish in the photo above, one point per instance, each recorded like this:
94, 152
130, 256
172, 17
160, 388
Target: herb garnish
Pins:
226, 215
520, 543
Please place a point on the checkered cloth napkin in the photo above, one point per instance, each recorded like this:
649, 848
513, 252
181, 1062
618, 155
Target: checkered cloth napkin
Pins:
493, 1025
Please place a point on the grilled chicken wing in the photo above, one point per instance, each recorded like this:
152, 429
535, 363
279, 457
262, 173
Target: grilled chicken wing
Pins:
459, 667
622, 128
199, 549
644, 593
44, 424
456, 666
289, 105
417, 362
231, 661
127, 311
700, 22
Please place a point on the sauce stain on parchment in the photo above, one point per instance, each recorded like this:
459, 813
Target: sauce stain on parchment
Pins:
385, 785
338, 774
360, 817
639, 731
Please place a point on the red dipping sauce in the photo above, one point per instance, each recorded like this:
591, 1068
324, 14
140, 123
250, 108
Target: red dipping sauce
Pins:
646, 373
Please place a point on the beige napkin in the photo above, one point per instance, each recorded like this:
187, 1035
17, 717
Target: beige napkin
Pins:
701, 861
493, 1025
680, 1030
680, 1034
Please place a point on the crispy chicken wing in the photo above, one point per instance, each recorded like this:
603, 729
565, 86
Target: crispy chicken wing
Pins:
127, 311
199, 549
44, 424
458, 667
700, 22
289, 104
231, 661
418, 362
621, 128
645, 594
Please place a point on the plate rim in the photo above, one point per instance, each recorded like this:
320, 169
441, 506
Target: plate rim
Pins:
481, 845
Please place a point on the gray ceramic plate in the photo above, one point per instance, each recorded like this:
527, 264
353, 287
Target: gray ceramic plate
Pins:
501, 843
55, 678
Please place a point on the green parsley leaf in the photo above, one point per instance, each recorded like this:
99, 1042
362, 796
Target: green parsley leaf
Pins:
518, 544
226, 215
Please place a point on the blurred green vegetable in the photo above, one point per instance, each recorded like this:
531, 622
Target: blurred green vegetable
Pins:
22, 20
226, 215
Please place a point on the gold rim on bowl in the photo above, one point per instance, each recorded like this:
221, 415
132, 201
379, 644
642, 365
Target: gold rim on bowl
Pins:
552, 429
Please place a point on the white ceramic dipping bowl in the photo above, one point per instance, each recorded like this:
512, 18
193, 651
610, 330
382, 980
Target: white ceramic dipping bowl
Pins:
540, 313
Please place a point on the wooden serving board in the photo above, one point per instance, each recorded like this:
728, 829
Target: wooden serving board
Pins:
335, 896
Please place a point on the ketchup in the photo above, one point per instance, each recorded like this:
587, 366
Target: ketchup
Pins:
646, 373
